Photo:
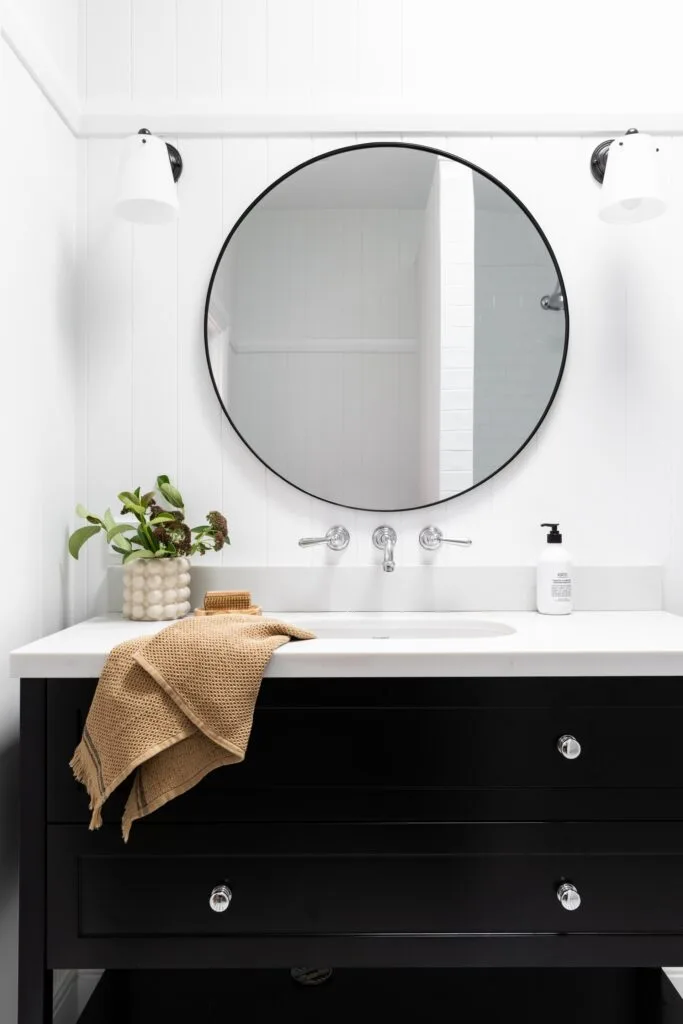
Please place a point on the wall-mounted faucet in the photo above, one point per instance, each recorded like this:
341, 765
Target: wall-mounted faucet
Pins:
384, 538
431, 539
337, 539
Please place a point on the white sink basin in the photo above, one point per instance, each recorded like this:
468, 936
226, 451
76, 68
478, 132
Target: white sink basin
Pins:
427, 627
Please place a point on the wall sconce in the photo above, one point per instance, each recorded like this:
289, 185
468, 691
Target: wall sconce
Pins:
150, 169
631, 189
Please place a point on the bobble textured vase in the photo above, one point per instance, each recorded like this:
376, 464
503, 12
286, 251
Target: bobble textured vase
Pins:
156, 589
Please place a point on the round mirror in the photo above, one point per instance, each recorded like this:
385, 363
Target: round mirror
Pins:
386, 326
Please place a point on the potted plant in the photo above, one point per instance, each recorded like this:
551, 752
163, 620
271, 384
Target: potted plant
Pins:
155, 547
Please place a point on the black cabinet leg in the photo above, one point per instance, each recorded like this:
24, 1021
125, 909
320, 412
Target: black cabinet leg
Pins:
35, 981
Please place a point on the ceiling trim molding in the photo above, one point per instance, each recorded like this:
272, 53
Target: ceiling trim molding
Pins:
31, 54
209, 118
212, 119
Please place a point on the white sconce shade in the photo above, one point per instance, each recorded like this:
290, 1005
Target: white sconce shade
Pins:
631, 190
147, 190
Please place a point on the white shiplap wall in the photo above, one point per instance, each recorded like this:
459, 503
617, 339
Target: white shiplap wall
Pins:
151, 407
41, 410
384, 54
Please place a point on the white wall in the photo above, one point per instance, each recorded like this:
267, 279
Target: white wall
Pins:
146, 289
40, 409
53, 27
414, 53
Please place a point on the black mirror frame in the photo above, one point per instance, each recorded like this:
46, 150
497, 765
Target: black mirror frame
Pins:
435, 152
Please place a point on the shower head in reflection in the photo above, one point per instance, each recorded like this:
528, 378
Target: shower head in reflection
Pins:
554, 301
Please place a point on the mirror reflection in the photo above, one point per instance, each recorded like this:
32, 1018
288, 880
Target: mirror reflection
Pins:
386, 327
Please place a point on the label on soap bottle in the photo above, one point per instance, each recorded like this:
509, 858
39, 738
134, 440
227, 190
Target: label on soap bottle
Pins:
561, 587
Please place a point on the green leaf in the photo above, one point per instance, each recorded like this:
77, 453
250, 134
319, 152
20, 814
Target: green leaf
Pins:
82, 511
109, 520
119, 528
95, 520
79, 537
121, 551
163, 517
172, 495
130, 502
162, 480
132, 556
147, 499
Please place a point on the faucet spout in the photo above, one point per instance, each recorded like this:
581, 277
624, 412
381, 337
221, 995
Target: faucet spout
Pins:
384, 538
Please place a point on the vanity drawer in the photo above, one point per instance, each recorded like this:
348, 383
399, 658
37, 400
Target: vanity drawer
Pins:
356, 880
377, 754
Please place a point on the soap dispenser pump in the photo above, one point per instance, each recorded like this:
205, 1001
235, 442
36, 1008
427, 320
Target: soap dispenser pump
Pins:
554, 575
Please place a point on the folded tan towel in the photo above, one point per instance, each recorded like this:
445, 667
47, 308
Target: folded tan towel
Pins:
174, 706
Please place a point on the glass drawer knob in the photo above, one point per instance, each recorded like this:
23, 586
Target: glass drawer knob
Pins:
569, 747
220, 899
569, 897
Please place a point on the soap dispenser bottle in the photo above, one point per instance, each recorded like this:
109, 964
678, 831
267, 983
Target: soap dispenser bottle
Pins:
554, 575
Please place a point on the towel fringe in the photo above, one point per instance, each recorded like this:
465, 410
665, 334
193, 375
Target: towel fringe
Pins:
78, 768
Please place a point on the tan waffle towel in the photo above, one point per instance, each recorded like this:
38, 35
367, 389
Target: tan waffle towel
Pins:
174, 706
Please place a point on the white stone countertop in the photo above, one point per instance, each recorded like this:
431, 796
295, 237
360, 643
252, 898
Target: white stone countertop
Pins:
621, 643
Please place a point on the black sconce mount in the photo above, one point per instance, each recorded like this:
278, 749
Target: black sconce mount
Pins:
173, 155
600, 154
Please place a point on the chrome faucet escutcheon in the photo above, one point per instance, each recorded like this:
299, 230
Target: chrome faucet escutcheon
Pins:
384, 538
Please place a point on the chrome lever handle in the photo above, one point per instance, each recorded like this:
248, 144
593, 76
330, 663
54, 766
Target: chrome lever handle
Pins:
431, 539
337, 539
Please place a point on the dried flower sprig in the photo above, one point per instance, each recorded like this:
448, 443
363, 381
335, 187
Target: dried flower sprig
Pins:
157, 532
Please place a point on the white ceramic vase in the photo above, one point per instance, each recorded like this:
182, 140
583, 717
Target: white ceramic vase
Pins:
156, 589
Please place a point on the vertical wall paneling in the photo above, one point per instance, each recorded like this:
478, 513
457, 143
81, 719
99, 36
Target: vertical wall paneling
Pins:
267, 515
155, 43
585, 465
244, 61
335, 33
109, 337
154, 392
108, 56
290, 48
199, 49
379, 41
40, 416
200, 235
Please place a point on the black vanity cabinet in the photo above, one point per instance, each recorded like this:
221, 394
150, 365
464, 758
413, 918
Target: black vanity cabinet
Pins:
376, 823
